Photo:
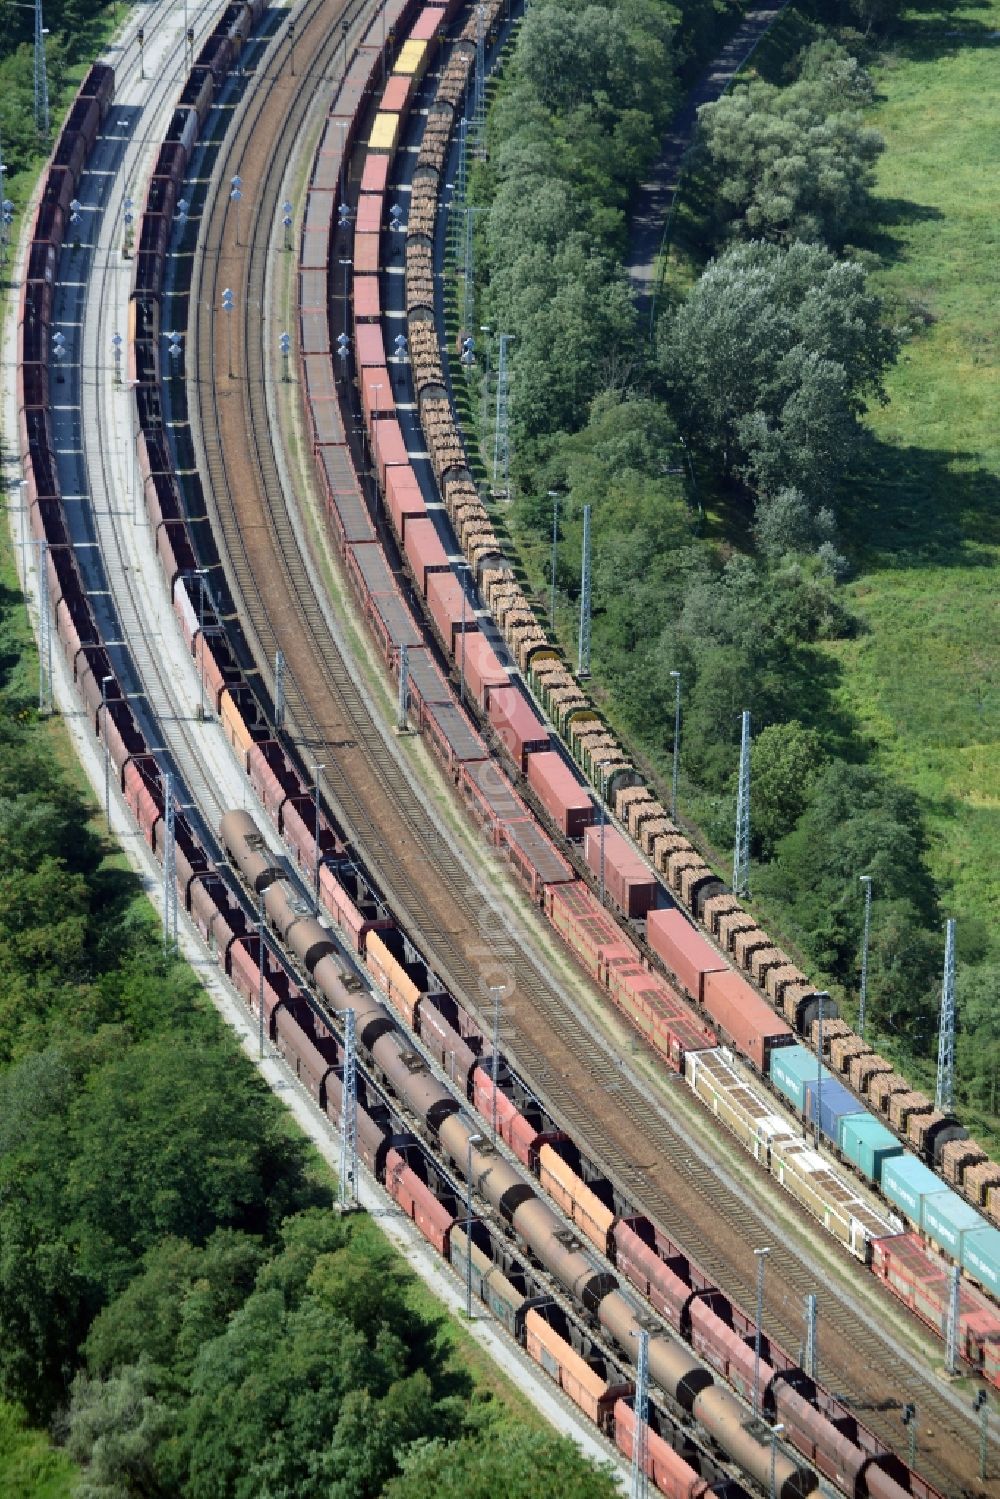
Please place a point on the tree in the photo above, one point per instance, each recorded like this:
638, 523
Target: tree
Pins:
771, 358
173, 1140
858, 822
505, 1464
785, 761
794, 162
115, 1430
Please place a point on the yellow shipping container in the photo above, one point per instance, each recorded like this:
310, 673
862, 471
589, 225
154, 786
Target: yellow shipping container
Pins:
412, 59
385, 133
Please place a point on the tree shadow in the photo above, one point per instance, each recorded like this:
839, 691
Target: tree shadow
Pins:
941, 28
910, 506
892, 214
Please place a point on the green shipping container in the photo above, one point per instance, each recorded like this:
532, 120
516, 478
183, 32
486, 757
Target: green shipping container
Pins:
867, 1144
981, 1257
793, 1069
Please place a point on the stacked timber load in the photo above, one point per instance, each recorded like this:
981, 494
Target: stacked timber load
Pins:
443, 442
866, 1067
956, 1158
419, 276
981, 1179
437, 134
425, 352
833, 1030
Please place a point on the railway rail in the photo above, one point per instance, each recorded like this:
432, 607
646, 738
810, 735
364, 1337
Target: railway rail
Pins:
598, 1099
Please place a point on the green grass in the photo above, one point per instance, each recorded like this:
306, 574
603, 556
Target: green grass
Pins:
924, 519
29, 1466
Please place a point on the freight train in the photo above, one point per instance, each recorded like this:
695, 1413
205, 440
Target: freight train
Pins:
696, 1311
494, 687
219, 916
737, 1010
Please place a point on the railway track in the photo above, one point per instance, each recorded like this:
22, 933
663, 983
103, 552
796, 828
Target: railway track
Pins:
108, 518
427, 881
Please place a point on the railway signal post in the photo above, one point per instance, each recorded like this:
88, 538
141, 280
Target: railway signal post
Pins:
945, 1095
472, 1140
347, 1191
107, 754
775, 1434
640, 1411
762, 1255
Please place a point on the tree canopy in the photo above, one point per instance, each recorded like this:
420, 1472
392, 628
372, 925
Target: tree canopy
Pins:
770, 360
795, 162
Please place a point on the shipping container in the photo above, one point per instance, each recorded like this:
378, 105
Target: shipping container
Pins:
946, 1219
792, 1069
836, 1103
516, 724
374, 178
981, 1257
424, 552
449, 607
389, 447
628, 880
369, 346
741, 1013
404, 496
906, 1182
684, 950
567, 802
478, 663
385, 133
367, 306
868, 1144
413, 56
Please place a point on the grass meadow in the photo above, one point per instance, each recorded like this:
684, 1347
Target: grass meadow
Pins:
924, 518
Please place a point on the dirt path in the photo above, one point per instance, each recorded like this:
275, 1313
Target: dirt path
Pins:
655, 197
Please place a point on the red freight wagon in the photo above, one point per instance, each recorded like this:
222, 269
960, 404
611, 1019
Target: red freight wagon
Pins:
683, 950
366, 294
377, 399
418, 1201
404, 497
662, 1281
449, 607
397, 93
490, 794
923, 1283
534, 856
512, 1127
428, 23
629, 881
723, 1348
561, 794
671, 1475
366, 257
478, 661
389, 445
424, 551
445, 1044
369, 219
456, 740
739, 1011
368, 345
516, 724
583, 923
375, 176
